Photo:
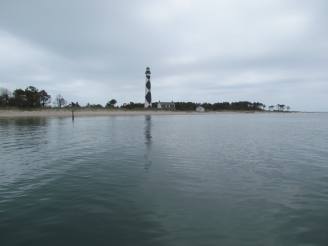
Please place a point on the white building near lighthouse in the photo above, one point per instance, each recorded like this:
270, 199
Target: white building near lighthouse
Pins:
200, 109
166, 105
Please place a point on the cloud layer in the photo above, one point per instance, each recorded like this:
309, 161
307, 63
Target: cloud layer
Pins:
273, 51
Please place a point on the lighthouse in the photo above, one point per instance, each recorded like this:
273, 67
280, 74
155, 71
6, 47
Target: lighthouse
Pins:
148, 89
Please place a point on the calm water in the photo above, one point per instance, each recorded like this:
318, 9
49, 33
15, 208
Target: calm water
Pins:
228, 179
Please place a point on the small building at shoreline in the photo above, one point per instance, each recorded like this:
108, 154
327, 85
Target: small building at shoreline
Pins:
200, 109
166, 105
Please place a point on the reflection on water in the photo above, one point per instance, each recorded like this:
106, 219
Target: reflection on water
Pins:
148, 141
21, 123
23, 132
231, 179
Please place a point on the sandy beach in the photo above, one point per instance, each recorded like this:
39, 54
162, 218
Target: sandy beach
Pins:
84, 113
13, 113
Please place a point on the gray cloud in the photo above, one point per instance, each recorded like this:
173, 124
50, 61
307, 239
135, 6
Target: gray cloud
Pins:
273, 51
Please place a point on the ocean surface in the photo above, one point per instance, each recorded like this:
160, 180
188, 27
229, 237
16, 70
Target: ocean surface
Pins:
207, 179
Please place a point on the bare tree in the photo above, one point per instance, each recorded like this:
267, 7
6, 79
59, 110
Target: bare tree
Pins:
60, 101
5, 94
280, 107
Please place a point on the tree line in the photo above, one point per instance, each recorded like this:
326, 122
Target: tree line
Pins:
31, 97
279, 108
218, 106
221, 106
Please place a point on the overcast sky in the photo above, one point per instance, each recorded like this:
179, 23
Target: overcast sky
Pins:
272, 51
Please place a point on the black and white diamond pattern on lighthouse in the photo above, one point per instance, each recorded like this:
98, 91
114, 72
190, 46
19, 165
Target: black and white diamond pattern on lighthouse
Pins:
148, 97
148, 85
148, 102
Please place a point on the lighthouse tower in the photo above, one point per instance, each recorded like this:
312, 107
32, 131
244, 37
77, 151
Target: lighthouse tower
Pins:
148, 89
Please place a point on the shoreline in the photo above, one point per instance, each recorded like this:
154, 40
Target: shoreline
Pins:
15, 113
81, 113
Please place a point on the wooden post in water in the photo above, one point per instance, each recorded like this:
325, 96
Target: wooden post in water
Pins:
72, 112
